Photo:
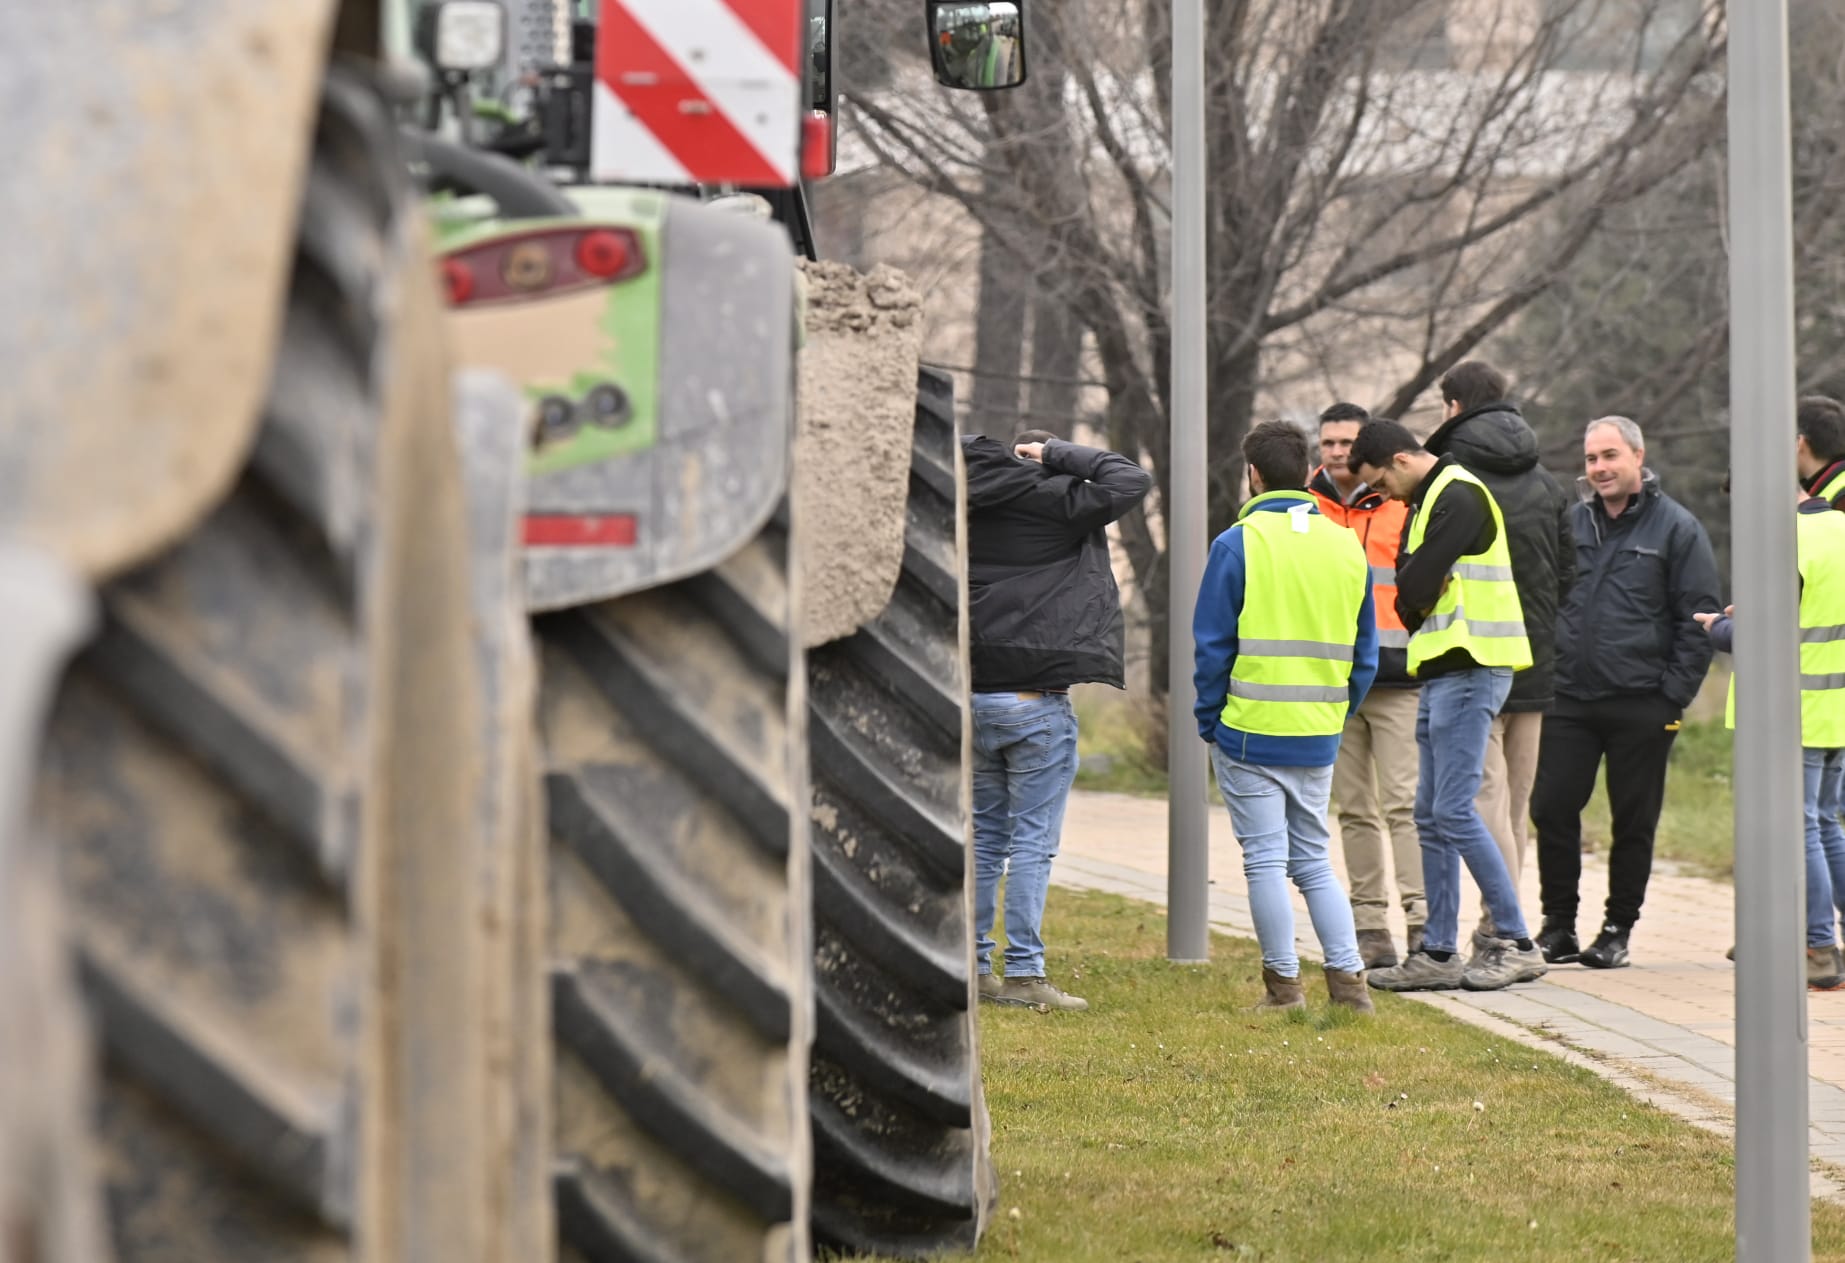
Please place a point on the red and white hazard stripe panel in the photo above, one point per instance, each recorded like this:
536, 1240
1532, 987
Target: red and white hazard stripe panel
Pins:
698, 92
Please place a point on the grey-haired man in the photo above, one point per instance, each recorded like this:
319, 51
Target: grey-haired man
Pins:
1630, 657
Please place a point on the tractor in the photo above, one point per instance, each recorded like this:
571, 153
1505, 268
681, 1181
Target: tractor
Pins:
408, 797
637, 488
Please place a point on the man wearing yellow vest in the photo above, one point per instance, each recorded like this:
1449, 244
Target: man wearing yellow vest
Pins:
1456, 595
1374, 781
1819, 539
1819, 448
1284, 647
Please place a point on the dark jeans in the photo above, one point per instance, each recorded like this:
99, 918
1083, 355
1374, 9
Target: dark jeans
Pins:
1635, 735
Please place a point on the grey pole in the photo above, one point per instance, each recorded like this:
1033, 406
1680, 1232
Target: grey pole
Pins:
1772, 1212
1187, 854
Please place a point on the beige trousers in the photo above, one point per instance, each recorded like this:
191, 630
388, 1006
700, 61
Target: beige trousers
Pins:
1504, 799
1374, 785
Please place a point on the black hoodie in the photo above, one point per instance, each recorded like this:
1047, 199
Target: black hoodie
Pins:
1494, 443
1043, 609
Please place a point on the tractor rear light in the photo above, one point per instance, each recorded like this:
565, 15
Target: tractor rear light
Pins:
458, 281
542, 263
581, 530
527, 266
602, 253
816, 146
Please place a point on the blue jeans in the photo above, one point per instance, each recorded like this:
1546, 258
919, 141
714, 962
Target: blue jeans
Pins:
1825, 788
1024, 765
1460, 708
1279, 816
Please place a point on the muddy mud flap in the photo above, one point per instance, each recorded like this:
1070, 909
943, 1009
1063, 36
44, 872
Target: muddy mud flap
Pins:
900, 1131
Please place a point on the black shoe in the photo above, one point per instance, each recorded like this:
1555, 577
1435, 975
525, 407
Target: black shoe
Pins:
1609, 950
1558, 943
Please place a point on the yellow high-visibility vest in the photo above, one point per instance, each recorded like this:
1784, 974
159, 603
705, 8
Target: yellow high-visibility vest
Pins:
1478, 610
1304, 582
1819, 544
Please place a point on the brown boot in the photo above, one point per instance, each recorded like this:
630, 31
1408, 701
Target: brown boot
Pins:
1280, 993
1376, 949
1349, 989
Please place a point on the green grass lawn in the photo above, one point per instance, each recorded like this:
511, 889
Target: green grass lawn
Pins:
1169, 1124
1694, 829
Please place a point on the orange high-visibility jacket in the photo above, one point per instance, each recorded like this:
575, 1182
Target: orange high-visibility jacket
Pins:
1378, 521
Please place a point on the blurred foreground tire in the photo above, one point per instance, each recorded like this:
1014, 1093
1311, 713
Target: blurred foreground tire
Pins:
255, 779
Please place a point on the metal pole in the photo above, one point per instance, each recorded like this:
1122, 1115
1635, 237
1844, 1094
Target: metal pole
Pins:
1772, 1211
1187, 852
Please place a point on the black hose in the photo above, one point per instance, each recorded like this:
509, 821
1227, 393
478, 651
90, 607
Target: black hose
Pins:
519, 193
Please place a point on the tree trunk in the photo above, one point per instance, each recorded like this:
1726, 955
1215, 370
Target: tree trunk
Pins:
999, 331
1056, 362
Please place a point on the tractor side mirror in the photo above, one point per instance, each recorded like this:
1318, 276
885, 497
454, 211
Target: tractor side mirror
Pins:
979, 47
819, 56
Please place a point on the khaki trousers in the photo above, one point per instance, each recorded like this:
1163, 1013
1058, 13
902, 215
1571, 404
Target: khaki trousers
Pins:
1504, 799
1374, 784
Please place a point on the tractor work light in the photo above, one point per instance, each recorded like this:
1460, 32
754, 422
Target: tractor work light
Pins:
462, 36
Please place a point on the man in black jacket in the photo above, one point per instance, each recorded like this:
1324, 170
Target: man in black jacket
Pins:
1630, 658
1043, 614
1486, 435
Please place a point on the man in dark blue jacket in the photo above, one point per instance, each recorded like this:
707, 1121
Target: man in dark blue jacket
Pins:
1630, 658
1043, 614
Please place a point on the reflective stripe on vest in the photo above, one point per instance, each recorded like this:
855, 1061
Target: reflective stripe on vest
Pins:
1478, 609
1303, 589
1819, 540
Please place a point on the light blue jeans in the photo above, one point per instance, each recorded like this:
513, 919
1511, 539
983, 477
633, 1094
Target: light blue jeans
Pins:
1825, 793
1458, 709
1279, 816
1024, 765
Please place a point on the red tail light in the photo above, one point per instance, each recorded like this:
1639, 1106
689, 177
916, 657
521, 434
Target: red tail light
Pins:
816, 146
541, 264
602, 253
458, 281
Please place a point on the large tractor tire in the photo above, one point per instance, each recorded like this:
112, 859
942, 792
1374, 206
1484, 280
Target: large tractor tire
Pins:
255, 776
673, 729
900, 1130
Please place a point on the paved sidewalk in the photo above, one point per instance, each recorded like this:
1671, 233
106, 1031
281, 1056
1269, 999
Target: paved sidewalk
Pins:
1663, 1028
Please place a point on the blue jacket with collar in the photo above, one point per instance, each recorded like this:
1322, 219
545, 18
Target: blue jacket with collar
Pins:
1214, 648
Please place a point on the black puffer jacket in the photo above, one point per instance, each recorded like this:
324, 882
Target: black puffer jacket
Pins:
1043, 609
1627, 628
1495, 444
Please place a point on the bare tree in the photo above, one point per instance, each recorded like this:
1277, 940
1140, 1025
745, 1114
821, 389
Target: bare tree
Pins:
1639, 324
1391, 182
